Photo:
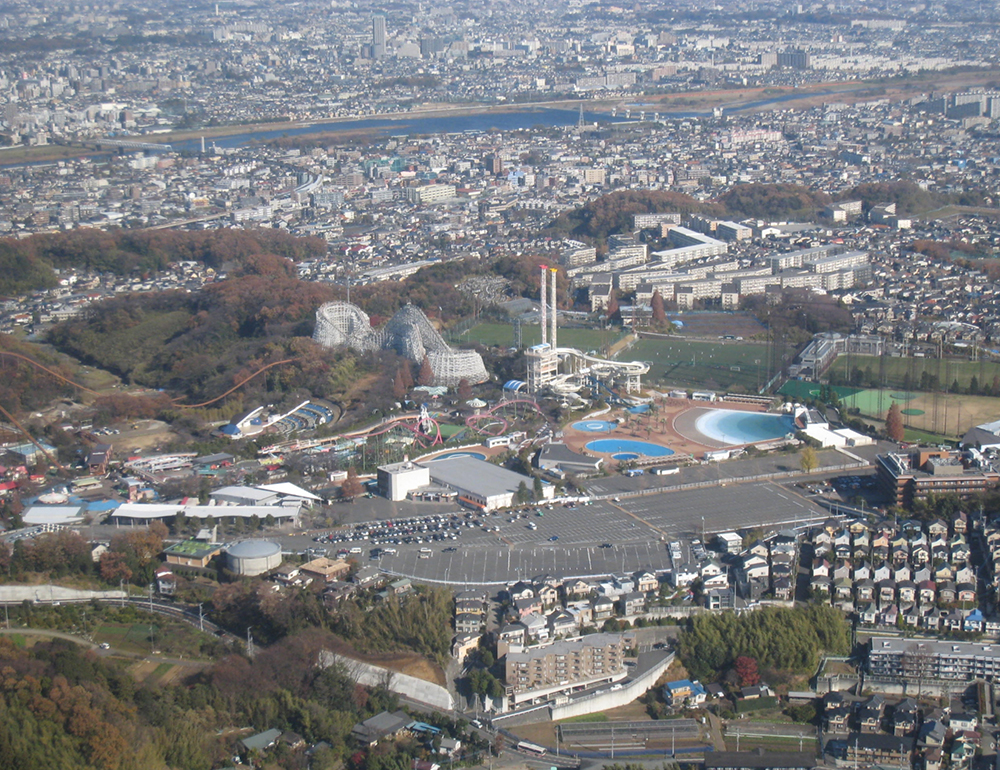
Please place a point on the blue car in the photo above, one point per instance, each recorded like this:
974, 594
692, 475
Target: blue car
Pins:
553, 538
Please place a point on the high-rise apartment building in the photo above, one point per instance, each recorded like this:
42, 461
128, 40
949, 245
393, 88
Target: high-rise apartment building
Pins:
378, 37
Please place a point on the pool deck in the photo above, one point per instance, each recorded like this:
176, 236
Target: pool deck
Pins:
672, 426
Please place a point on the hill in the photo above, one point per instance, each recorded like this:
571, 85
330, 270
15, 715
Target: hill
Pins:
27, 265
773, 201
909, 197
613, 213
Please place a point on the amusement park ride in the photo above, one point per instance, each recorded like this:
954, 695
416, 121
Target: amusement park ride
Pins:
564, 372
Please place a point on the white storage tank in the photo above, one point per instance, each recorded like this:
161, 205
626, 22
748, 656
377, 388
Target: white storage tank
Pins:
253, 557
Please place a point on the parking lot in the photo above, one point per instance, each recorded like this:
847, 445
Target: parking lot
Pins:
601, 538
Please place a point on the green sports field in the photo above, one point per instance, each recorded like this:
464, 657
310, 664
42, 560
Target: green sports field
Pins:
502, 335
709, 365
944, 415
913, 373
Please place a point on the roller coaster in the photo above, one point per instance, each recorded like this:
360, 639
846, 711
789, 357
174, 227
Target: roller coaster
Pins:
496, 425
425, 429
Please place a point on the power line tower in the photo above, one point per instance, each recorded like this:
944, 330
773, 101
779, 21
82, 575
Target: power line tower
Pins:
250, 650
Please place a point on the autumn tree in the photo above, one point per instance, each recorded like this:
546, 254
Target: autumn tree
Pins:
351, 487
659, 314
745, 668
894, 423
612, 309
808, 460
464, 389
114, 567
426, 374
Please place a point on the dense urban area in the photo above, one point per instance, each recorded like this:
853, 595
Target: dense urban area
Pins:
561, 385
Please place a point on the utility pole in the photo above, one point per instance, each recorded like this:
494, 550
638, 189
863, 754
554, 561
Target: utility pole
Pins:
201, 619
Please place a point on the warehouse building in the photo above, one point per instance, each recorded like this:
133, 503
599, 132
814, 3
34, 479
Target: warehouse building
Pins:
482, 484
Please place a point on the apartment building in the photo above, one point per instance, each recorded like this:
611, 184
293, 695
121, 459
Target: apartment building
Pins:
537, 673
906, 477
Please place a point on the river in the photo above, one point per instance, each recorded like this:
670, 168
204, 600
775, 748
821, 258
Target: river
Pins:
480, 121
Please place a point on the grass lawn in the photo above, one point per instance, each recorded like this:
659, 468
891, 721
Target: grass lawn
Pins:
711, 365
491, 334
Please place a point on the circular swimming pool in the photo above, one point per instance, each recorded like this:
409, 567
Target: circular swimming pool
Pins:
452, 455
730, 427
618, 446
595, 426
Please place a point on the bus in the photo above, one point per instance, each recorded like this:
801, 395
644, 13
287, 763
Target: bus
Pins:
532, 748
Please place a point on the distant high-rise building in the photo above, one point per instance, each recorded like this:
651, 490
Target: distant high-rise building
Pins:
378, 37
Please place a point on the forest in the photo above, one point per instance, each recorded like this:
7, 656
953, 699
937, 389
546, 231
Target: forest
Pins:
781, 640
63, 706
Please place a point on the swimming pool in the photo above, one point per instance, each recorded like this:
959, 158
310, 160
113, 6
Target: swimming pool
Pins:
734, 428
638, 409
616, 446
451, 455
595, 426
624, 456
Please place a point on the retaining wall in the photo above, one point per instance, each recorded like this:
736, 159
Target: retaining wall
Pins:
403, 684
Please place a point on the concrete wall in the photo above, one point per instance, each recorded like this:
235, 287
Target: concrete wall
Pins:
613, 699
402, 684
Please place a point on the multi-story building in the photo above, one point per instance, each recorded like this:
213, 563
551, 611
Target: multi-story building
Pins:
646, 221
538, 673
912, 660
906, 477
431, 193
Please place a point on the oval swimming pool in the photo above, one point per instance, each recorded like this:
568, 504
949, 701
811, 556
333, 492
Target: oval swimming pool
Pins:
628, 446
451, 455
595, 426
731, 427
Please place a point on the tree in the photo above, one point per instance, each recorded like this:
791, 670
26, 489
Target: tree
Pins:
745, 668
351, 486
894, 423
538, 490
426, 374
612, 309
809, 461
659, 314
464, 389
523, 495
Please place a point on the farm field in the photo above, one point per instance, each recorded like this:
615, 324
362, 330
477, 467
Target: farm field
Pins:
499, 334
913, 372
169, 638
711, 365
153, 673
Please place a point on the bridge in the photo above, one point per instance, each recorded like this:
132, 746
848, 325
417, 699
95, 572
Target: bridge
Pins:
127, 144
